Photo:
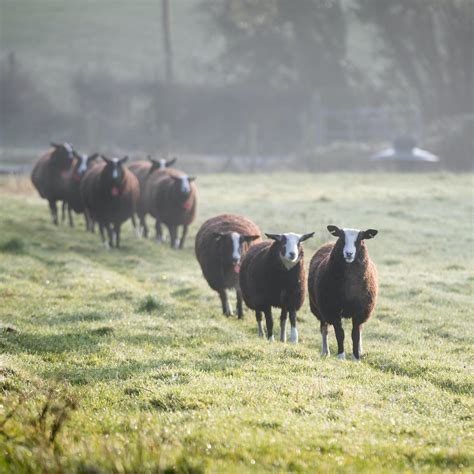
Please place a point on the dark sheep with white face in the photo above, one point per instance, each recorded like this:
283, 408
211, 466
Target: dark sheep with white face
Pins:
50, 174
272, 274
221, 242
342, 283
110, 194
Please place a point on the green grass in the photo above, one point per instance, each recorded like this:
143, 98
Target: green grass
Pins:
120, 361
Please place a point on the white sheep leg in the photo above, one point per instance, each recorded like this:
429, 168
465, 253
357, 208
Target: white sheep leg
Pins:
324, 333
283, 320
360, 343
294, 330
228, 308
258, 315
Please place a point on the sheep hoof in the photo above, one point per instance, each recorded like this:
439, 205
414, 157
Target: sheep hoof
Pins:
341, 356
294, 336
271, 339
355, 359
325, 353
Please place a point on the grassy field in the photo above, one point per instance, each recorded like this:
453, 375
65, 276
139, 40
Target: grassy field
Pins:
120, 361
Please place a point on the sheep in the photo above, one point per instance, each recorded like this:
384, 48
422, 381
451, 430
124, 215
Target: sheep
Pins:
73, 194
170, 197
142, 169
342, 283
220, 244
273, 274
49, 176
110, 194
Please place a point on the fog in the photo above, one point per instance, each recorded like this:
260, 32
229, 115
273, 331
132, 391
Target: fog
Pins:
238, 84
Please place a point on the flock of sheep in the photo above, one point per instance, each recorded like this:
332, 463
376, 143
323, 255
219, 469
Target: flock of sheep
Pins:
342, 279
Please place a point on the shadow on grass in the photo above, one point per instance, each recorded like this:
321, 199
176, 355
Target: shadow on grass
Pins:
437, 377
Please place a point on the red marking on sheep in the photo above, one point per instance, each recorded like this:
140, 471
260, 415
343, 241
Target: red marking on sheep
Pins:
237, 268
115, 191
188, 203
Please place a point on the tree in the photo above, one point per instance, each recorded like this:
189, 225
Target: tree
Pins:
429, 45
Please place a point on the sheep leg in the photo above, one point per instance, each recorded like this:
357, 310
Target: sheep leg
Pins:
173, 236
269, 323
110, 234
159, 231
226, 307
355, 340
258, 316
69, 213
117, 235
144, 226
324, 334
294, 330
102, 235
240, 311
183, 236
340, 339
63, 212
54, 212
283, 319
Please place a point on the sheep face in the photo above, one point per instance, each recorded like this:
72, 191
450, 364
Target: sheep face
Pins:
290, 249
231, 247
350, 241
82, 164
112, 174
161, 163
182, 185
62, 156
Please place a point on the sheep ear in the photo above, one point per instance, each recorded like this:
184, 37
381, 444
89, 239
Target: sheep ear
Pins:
306, 236
369, 233
123, 160
171, 162
93, 157
55, 145
334, 230
276, 237
76, 154
190, 178
250, 238
107, 160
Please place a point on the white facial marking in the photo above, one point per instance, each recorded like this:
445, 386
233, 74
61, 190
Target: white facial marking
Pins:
350, 238
291, 253
68, 148
83, 165
235, 246
185, 187
162, 164
115, 172
294, 335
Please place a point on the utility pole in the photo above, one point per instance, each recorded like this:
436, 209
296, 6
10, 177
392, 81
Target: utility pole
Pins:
165, 10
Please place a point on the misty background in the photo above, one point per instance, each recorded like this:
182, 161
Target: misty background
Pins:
238, 84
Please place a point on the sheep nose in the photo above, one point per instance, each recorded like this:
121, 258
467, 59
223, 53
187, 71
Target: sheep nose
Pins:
292, 255
235, 260
349, 254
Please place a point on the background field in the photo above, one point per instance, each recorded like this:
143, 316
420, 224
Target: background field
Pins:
121, 360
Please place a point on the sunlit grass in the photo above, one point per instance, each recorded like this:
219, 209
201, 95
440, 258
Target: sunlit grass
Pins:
126, 355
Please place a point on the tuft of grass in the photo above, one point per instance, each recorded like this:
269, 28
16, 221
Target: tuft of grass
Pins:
14, 245
150, 304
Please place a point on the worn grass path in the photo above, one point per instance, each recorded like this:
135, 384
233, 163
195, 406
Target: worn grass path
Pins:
120, 361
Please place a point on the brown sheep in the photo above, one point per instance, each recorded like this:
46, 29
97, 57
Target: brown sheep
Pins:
49, 176
220, 244
170, 197
272, 274
110, 194
342, 283
142, 169
73, 192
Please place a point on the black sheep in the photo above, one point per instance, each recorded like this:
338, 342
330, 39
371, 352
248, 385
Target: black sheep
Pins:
342, 283
50, 173
110, 193
220, 244
273, 274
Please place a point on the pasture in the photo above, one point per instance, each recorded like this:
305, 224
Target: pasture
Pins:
121, 361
